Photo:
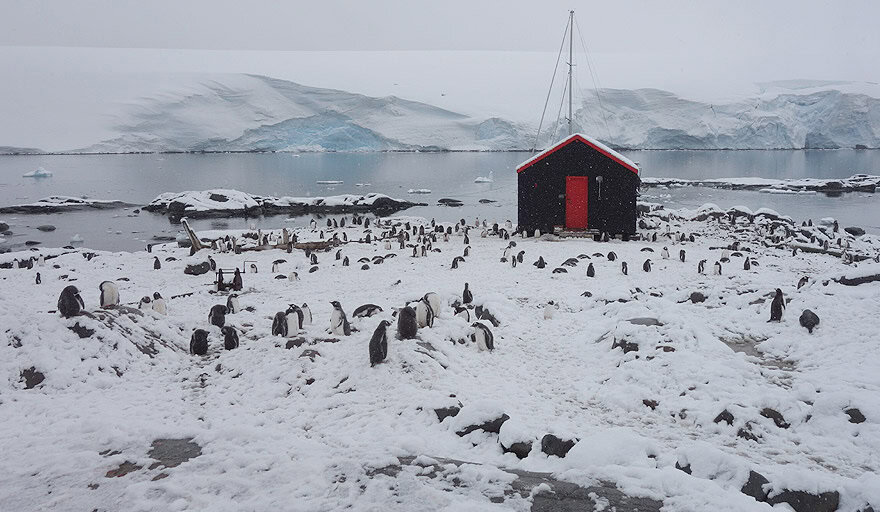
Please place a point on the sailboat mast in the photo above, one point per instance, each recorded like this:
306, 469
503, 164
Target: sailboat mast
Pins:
570, 62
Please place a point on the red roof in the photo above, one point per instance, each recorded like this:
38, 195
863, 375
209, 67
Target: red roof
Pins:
598, 146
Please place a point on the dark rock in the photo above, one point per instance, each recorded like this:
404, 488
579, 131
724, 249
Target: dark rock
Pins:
445, 412
627, 346
859, 280
46, 228
197, 269
552, 445
802, 501
645, 321
754, 486
686, 468
697, 297
487, 201
724, 416
32, 242
82, 331
4, 227
650, 403
520, 449
171, 453
123, 469
855, 415
776, 416
746, 433
491, 426
32, 377
296, 343
854, 231
220, 198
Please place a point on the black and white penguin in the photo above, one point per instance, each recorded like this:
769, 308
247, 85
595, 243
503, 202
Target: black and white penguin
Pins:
279, 324
295, 317
220, 284
624, 268
483, 337
232, 306
540, 263
38, 279
777, 306
466, 296
345, 261
716, 269
681, 255
379, 343
217, 315
664, 253
366, 310
407, 327
277, 263
548, 310
467, 239
236, 281
456, 261
591, 272
424, 313
212, 263
809, 320
145, 303
701, 266
415, 253
69, 302
156, 263
313, 259
803, 282
307, 314
338, 321
434, 301
109, 294
198, 344
654, 237
230, 337
159, 304
612, 256
746, 264
646, 266
463, 313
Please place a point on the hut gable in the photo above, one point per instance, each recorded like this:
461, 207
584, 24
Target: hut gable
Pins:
585, 139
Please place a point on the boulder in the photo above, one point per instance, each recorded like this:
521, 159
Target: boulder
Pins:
855, 415
46, 228
802, 501
776, 416
854, 230
552, 445
697, 297
197, 269
491, 426
754, 486
82, 331
520, 449
32, 377
627, 346
724, 416
4, 227
686, 468
446, 412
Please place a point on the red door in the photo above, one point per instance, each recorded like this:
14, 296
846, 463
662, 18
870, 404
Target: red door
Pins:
576, 202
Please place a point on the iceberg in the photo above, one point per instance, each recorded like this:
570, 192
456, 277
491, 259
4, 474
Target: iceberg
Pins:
39, 173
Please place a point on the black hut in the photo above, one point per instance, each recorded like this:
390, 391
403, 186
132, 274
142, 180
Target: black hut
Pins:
579, 184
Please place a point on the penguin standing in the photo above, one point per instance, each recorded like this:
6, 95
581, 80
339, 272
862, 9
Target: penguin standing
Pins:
145, 303
646, 266
483, 337
716, 269
540, 263
746, 264
198, 344
623, 268
612, 256
220, 284
466, 296
777, 306
338, 321
701, 266
407, 328
38, 279
664, 253
217, 315
109, 294
230, 337
681, 255
548, 310
69, 302
307, 314
424, 313
294, 317
434, 300
156, 263
212, 263
232, 304
159, 304
591, 272
279, 324
237, 284
803, 282
379, 343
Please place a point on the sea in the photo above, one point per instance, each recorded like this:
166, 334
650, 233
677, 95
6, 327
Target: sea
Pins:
139, 178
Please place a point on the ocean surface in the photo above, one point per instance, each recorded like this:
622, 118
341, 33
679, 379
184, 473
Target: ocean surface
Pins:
140, 178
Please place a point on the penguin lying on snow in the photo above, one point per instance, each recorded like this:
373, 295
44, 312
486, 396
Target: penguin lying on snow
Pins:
338, 321
809, 320
540, 263
69, 302
379, 343
407, 328
463, 313
230, 337
198, 344
482, 336
366, 310
109, 294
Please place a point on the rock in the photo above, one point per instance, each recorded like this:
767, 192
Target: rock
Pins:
520, 449
746, 433
855, 281
774, 415
446, 412
552, 445
627, 346
855, 415
4, 227
491, 426
46, 228
802, 501
82, 331
487, 201
650, 403
686, 468
197, 269
32, 377
32, 242
296, 343
754, 486
724, 416
697, 297
645, 321
854, 230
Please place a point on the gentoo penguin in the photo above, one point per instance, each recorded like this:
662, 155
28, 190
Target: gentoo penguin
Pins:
313, 259
212, 263
217, 315
407, 328
277, 263
220, 284
681, 255
230, 337
482, 336
345, 261
777, 306
456, 260
591, 272
537, 233
520, 256
623, 268
701, 266
366, 310
540, 263
279, 324
156, 264
145, 303
415, 253
424, 313
646, 266
467, 239
434, 301
654, 237
466, 296
109, 294
198, 344
612, 256
253, 267
467, 251
716, 269
313, 224
338, 321
513, 261
236, 281
41, 260
307, 314
809, 320
548, 310
294, 317
70, 303
232, 306
803, 282
379, 343
38, 279
664, 253
159, 304
746, 264
387, 245
463, 313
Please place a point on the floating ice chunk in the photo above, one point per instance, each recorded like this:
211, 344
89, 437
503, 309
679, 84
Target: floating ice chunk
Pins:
76, 238
418, 191
485, 179
329, 182
39, 173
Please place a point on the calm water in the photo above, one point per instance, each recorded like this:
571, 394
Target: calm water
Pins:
140, 178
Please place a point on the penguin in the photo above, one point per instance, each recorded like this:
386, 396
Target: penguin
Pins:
424, 313
746, 264
230, 337
217, 315
456, 261
467, 251
415, 253
548, 310
654, 237
803, 282
277, 263
623, 268
366, 310
38, 279
41, 260
313, 258
466, 296
664, 253
338, 321
387, 245
407, 328
513, 262
159, 304
681, 255
212, 263
701, 266
434, 301
156, 263
236, 281
463, 313
307, 314
145, 303
279, 324
612, 256
646, 266
540, 263
69, 302
220, 284
537, 233
198, 344
109, 294
294, 317
591, 272
379, 343
777, 306
809, 320
716, 269
520, 256
232, 304
467, 239
482, 336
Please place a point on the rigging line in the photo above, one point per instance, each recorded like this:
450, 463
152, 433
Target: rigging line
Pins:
595, 77
559, 114
552, 80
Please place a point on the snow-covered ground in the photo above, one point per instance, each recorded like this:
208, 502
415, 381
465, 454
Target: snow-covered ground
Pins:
291, 429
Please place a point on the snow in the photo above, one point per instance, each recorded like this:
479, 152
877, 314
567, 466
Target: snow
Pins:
858, 182
38, 173
602, 147
485, 179
276, 428
220, 200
